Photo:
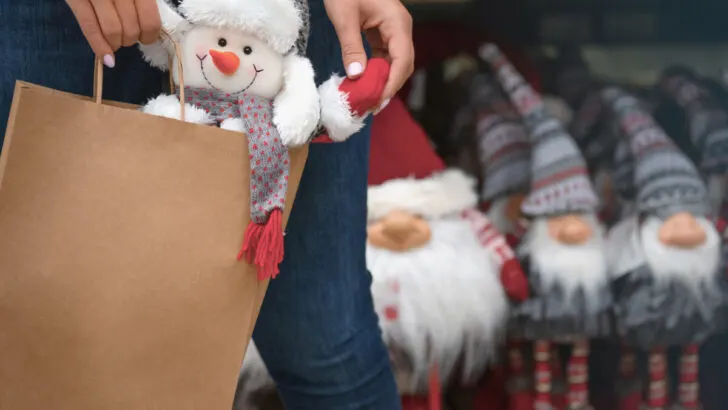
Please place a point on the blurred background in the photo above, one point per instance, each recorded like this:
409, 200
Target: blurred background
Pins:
564, 49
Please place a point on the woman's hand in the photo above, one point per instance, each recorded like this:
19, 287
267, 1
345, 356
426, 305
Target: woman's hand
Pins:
388, 27
111, 24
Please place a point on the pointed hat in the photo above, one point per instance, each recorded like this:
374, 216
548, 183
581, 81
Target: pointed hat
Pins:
666, 181
560, 182
503, 145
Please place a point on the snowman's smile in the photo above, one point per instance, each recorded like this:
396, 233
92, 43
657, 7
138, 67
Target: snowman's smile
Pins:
204, 75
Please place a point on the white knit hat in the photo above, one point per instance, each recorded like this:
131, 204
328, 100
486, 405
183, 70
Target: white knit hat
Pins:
282, 24
277, 22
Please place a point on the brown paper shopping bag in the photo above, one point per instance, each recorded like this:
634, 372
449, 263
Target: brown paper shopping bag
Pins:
119, 283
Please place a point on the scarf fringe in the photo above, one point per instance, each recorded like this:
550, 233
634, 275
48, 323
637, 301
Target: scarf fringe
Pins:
263, 245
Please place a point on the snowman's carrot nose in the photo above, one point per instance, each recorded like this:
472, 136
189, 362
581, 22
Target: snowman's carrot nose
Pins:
227, 62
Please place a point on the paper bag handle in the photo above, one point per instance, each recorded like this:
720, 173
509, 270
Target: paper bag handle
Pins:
99, 76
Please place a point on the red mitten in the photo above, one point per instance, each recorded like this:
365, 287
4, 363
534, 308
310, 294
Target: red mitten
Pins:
512, 240
514, 281
365, 93
345, 103
721, 225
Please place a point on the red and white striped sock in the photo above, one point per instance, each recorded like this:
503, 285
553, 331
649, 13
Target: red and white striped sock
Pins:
627, 363
518, 384
689, 383
558, 394
515, 358
630, 395
542, 370
657, 398
578, 375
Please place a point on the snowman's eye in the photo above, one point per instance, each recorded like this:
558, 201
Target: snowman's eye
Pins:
248, 51
222, 42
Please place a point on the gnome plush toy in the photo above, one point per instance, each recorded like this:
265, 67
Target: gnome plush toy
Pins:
707, 124
566, 266
669, 290
254, 381
504, 151
436, 262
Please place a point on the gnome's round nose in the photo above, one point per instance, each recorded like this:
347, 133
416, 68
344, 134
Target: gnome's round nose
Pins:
225, 61
399, 231
682, 230
570, 229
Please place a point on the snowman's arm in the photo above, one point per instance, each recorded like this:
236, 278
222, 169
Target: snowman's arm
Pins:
297, 108
337, 117
346, 103
168, 106
233, 124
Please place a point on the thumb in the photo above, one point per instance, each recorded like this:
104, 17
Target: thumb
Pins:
352, 47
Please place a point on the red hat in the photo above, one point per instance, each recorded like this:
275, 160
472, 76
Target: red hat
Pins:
405, 173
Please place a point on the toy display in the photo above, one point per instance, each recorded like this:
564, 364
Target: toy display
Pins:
433, 256
563, 247
670, 290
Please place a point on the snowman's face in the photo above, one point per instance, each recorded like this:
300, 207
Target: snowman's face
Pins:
230, 61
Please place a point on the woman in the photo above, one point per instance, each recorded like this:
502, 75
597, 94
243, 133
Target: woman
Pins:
317, 330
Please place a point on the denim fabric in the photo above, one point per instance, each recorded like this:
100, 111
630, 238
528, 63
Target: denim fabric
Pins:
317, 330
42, 44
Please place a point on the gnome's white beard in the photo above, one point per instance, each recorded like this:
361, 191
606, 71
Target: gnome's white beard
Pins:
693, 267
254, 378
569, 267
450, 301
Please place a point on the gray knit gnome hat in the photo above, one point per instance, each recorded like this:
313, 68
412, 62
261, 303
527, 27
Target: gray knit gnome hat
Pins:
623, 171
666, 181
503, 145
560, 181
708, 121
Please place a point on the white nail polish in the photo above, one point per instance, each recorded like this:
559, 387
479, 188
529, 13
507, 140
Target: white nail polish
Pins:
109, 61
354, 69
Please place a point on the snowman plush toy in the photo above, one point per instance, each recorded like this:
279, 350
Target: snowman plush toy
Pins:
244, 71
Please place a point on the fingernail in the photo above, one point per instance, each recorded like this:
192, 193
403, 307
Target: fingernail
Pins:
354, 69
109, 61
383, 106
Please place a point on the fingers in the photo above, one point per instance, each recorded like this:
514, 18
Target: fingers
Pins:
348, 29
86, 17
402, 55
127, 12
109, 22
392, 39
149, 20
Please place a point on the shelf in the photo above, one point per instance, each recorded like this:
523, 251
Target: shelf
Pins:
439, 10
586, 21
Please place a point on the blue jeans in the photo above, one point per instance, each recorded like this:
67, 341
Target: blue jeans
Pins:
317, 330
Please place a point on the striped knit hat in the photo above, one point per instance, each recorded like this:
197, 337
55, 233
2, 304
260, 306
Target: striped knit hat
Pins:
623, 171
665, 179
708, 122
503, 145
560, 182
